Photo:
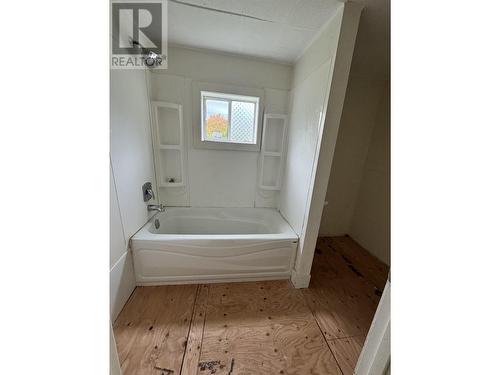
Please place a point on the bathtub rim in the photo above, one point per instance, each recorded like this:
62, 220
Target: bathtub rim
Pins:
287, 233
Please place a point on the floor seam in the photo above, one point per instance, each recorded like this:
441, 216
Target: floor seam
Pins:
190, 325
325, 311
204, 321
345, 337
322, 334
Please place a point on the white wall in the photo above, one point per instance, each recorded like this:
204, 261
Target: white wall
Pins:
358, 189
131, 145
344, 28
118, 245
362, 101
218, 178
311, 84
114, 361
370, 225
131, 165
313, 73
121, 272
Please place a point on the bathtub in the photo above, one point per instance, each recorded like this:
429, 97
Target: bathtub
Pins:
192, 245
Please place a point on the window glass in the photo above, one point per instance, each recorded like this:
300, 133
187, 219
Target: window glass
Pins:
229, 118
216, 120
242, 122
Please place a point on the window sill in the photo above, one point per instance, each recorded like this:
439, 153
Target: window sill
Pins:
226, 146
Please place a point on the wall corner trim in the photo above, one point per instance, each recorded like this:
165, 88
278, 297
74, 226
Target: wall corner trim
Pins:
328, 135
300, 280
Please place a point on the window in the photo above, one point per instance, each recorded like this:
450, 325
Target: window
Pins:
229, 118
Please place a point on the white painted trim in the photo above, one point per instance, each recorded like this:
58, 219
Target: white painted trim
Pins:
375, 355
197, 88
229, 99
328, 135
300, 281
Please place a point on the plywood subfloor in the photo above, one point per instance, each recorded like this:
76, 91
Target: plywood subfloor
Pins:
257, 327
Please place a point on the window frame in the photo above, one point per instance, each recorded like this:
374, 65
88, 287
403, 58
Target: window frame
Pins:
218, 91
229, 98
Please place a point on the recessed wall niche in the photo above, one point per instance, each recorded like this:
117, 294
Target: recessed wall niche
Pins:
168, 144
272, 154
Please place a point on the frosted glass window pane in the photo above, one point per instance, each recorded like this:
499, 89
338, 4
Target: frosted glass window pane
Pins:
242, 122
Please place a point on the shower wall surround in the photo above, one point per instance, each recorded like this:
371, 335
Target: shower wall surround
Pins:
131, 164
311, 86
218, 178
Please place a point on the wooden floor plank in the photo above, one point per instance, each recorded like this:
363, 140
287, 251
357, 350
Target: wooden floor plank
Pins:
346, 351
264, 327
342, 299
352, 301
176, 323
193, 348
152, 329
135, 340
355, 255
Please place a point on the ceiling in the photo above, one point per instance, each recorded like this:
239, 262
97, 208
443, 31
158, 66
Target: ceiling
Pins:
278, 30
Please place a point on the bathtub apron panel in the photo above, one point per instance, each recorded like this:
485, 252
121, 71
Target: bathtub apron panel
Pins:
162, 256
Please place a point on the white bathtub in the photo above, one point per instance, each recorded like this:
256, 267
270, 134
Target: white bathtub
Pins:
213, 244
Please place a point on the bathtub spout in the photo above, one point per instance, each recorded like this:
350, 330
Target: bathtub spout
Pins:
156, 207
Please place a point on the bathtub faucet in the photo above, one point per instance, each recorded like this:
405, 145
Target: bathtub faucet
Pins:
156, 207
